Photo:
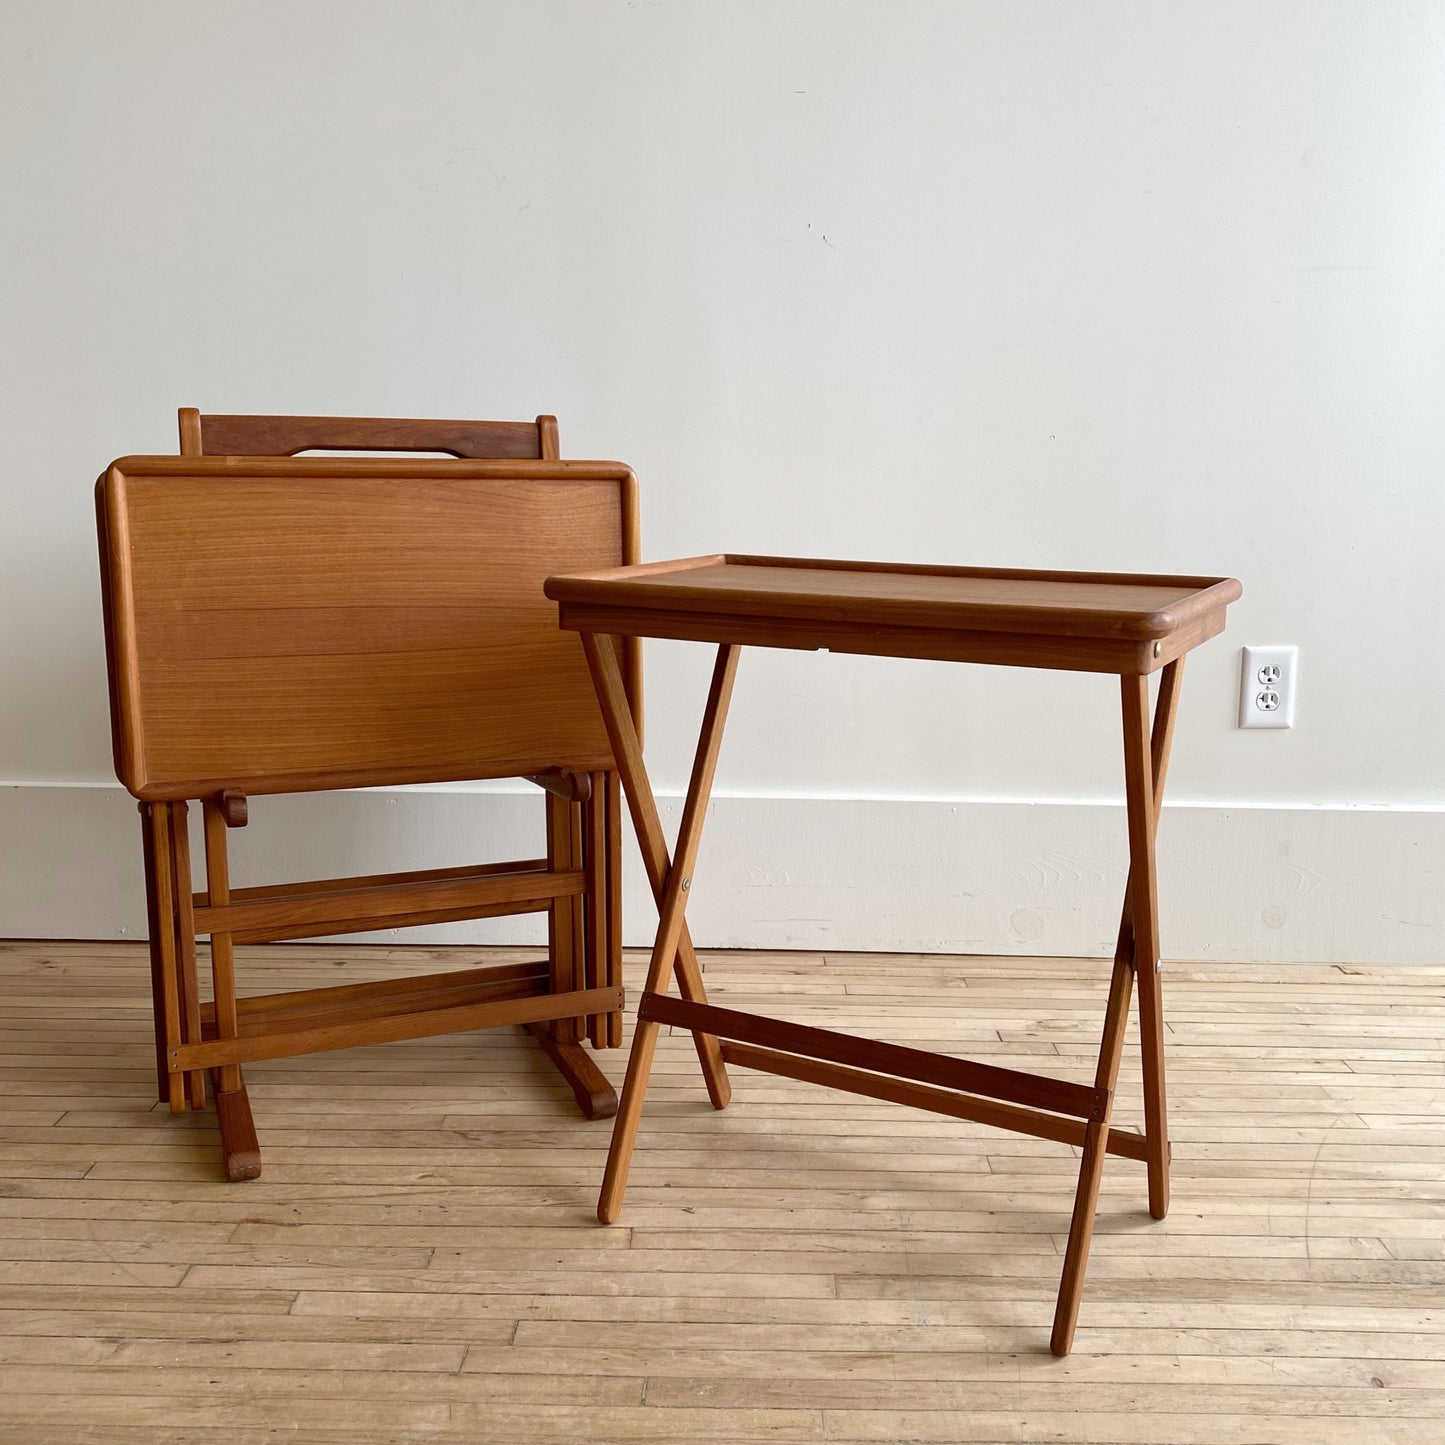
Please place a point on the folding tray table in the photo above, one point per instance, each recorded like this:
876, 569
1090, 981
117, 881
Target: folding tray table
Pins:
1131, 625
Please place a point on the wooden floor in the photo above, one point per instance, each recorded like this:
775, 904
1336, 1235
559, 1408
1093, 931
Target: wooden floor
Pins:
420, 1260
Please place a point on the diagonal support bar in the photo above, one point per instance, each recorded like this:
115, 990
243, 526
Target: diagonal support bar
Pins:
1146, 762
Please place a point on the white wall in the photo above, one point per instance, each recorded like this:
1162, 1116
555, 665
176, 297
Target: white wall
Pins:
1148, 286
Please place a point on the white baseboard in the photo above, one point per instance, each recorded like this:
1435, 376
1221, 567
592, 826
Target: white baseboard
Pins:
1317, 884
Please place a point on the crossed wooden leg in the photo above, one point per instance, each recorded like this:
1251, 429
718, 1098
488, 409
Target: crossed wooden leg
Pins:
1146, 760
671, 879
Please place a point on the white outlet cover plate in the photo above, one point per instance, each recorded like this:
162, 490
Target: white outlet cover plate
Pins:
1268, 672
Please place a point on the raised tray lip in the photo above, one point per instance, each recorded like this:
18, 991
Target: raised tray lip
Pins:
360, 467
616, 587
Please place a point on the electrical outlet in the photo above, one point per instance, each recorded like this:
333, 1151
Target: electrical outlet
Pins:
1267, 681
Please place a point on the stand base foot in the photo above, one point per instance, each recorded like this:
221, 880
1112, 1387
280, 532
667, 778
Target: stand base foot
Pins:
595, 1096
241, 1152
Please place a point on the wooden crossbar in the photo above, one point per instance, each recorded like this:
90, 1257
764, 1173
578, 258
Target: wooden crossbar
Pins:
375, 922
418, 1024
1056, 1095
303, 1000
341, 885
923, 1096
279, 1013
324, 908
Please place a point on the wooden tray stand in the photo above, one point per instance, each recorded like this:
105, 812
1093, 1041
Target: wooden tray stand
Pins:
572, 995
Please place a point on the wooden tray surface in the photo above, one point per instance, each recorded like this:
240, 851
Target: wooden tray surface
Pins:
1139, 608
279, 624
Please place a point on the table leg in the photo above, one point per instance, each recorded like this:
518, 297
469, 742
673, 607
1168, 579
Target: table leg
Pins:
1091, 1165
564, 956
240, 1152
613, 844
594, 912
185, 927
165, 977
670, 880
1146, 761
1147, 962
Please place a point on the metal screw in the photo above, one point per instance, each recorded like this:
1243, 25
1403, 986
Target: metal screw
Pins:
1158, 649
686, 884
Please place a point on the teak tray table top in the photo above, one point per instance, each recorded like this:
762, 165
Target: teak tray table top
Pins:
1090, 622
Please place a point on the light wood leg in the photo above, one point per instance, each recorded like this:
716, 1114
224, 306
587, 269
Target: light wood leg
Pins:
239, 1148
570, 968
241, 1152
576, 1029
1148, 966
562, 929
1146, 761
671, 882
594, 853
180, 845
165, 976
160, 970
223, 958
1091, 1165
613, 843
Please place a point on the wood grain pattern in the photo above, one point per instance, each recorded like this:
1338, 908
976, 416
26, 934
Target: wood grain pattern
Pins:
314, 628
809, 1265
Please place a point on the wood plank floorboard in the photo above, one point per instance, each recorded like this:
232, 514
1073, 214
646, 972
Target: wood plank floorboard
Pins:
420, 1260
